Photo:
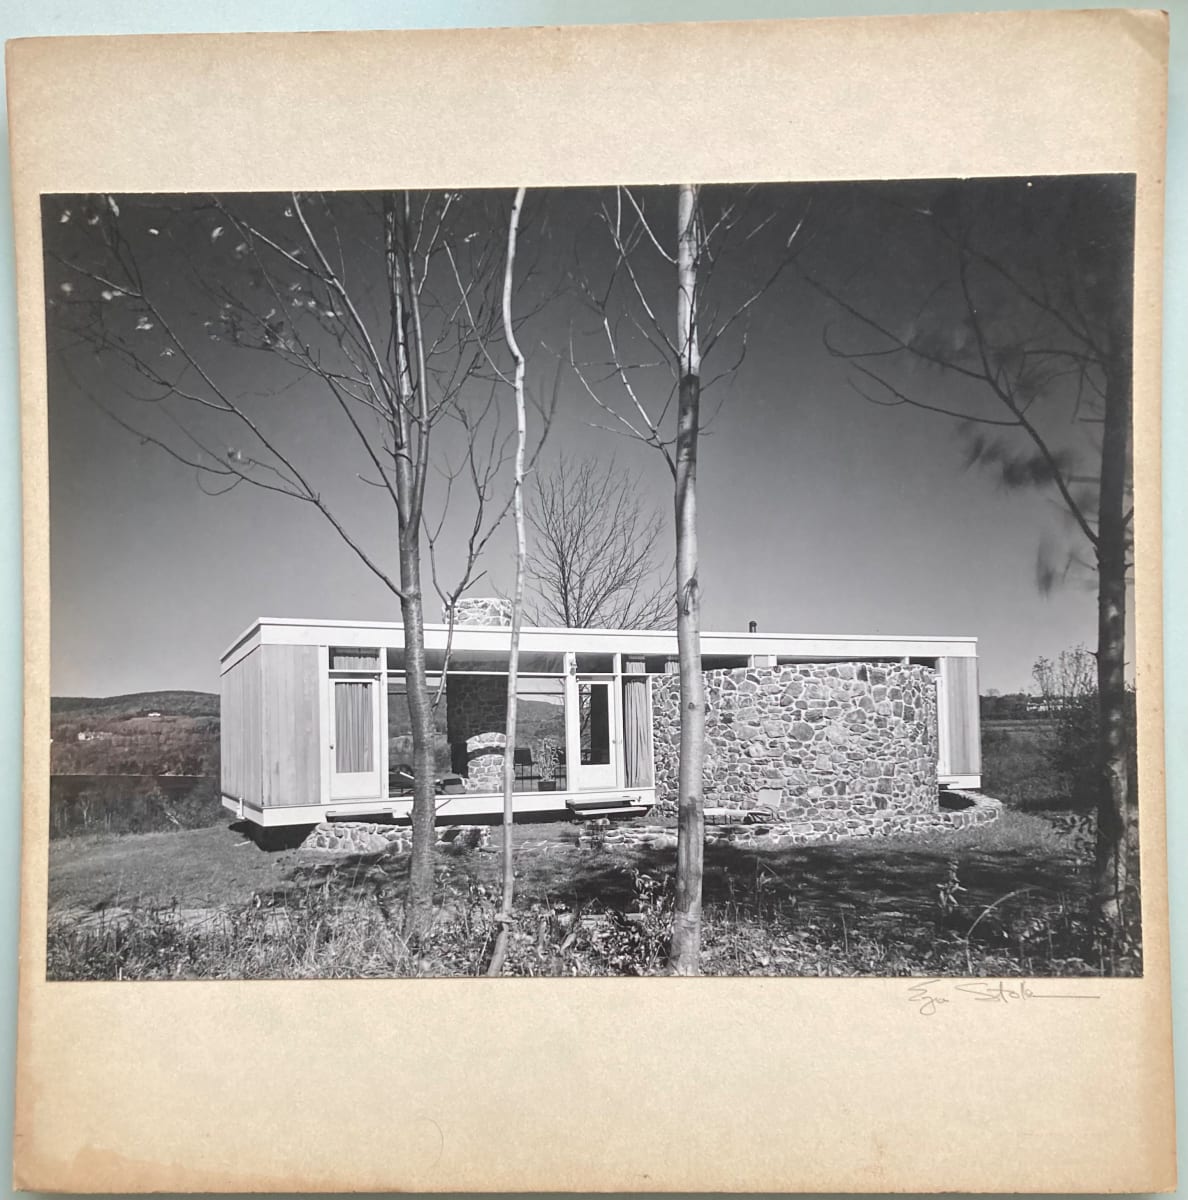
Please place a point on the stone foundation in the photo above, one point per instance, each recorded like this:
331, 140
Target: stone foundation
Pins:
372, 837
757, 833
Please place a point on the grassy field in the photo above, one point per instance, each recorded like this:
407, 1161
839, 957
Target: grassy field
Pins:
1008, 899
1016, 764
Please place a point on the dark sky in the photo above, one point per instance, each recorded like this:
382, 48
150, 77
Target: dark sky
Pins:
819, 511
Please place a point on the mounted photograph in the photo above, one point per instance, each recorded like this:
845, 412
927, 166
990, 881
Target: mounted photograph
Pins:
720, 579
663, 516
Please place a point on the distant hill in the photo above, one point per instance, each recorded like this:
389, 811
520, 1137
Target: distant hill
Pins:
136, 704
145, 733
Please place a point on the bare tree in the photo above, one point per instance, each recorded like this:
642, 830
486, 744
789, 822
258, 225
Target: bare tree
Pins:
385, 308
1069, 703
593, 562
1028, 314
685, 955
507, 900
1070, 678
675, 330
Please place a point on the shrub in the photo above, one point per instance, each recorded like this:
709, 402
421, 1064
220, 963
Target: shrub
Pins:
1068, 691
131, 804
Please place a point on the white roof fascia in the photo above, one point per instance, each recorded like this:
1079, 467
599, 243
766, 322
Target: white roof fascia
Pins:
249, 640
289, 631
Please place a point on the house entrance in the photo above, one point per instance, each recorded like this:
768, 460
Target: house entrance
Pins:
355, 745
594, 738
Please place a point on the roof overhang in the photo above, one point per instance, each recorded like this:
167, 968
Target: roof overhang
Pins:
293, 632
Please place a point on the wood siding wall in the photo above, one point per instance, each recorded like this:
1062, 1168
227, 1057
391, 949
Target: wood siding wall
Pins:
240, 734
291, 750
959, 711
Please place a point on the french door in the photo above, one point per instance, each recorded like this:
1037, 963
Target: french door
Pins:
594, 737
355, 744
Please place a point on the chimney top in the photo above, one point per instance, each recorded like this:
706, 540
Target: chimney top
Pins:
481, 610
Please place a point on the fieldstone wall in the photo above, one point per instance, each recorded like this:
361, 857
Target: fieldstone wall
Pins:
374, 837
484, 762
757, 832
839, 749
481, 610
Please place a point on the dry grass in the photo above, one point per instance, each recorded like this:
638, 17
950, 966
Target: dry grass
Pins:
1007, 899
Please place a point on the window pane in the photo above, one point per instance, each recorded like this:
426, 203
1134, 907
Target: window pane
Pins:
478, 660
400, 742
596, 664
433, 659
354, 748
531, 662
540, 734
594, 716
348, 658
542, 663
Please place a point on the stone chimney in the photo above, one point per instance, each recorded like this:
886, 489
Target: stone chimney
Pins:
481, 610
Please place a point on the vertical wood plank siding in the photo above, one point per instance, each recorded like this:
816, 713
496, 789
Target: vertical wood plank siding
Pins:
240, 745
291, 758
961, 713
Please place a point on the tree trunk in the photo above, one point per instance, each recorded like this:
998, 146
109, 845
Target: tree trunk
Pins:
513, 658
419, 904
410, 478
1113, 734
685, 952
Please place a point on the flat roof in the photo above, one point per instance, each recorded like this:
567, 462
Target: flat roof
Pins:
388, 634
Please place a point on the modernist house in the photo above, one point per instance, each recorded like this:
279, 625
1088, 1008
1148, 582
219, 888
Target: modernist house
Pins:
315, 722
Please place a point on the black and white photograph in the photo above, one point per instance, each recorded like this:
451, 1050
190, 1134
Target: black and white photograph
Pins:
701, 579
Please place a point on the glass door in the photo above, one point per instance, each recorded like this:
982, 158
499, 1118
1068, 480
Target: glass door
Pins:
596, 735
354, 745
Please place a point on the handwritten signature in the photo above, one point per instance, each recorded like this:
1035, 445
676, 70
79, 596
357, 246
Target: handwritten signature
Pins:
929, 995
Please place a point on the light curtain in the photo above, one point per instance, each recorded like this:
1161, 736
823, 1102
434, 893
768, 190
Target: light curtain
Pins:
637, 743
354, 660
354, 742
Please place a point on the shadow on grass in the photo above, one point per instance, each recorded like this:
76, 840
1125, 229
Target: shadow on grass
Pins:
859, 878
1006, 902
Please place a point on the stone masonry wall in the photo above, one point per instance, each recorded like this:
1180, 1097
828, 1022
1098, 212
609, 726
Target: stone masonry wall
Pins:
372, 837
484, 762
756, 833
822, 748
481, 610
